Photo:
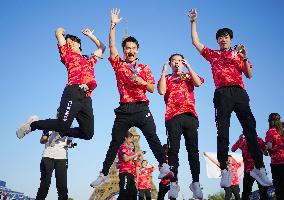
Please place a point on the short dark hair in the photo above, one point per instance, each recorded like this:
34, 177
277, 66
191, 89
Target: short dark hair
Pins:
176, 54
74, 38
130, 39
224, 32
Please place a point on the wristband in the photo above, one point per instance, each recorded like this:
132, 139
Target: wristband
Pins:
112, 25
245, 59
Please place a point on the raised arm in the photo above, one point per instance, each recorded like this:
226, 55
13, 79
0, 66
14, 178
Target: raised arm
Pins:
194, 35
162, 85
59, 34
212, 159
196, 80
236, 145
114, 20
101, 47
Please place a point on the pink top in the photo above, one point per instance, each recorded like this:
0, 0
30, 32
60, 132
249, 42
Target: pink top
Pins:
227, 67
122, 165
129, 90
80, 69
247, 159
144, 178
277, 151
179, 97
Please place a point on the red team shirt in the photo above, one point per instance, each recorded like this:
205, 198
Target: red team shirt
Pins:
247, 159
123, 166
80, 69
130, 91
137, 164
227, 67
144, 178
277, 151
179, 97
234, 168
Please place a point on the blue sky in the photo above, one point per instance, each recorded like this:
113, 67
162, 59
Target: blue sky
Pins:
33, 78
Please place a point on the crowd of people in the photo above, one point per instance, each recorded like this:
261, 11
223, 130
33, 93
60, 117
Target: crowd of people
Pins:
134, 80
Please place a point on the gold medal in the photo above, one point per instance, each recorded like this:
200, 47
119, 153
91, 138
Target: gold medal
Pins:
239, 48
183, 76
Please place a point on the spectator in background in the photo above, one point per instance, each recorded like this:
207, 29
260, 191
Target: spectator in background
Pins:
248, 180
275, 144
54, 157
232, 165
126, 157
144, 180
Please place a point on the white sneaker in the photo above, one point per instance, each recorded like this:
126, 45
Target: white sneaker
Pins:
196, 190
165, 170
174, 189
226, 178
102, 179
25, 128
261, 176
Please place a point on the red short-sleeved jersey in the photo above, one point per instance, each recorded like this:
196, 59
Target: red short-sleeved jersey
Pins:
129, 90
144, 178
277, 141
137, 164
234, 167
80, 69
226, 65
121, 164
247, 159
179, 97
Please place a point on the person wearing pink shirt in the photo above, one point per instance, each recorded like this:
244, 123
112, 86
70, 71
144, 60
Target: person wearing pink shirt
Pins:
76, 101
144, 180
275, 144
227, 67
134, 79
181, 118
126, 164
248, 180
234, 187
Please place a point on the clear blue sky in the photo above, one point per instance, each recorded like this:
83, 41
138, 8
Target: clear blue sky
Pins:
33, 78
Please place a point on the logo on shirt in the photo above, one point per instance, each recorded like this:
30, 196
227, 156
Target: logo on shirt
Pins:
148, 115
66, 114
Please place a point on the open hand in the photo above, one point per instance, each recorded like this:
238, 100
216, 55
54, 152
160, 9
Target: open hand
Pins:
115, 16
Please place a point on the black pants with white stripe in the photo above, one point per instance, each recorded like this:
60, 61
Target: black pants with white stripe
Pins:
74, 104
47, 166
127, 188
